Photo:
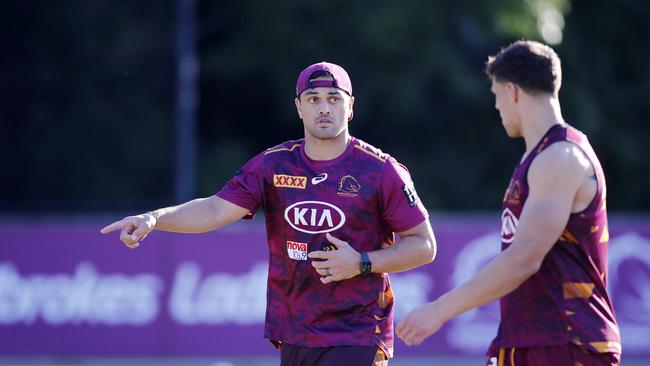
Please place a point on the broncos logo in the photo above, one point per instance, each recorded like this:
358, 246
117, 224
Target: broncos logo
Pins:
348, 185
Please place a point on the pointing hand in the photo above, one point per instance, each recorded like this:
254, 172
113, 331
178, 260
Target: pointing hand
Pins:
133, 229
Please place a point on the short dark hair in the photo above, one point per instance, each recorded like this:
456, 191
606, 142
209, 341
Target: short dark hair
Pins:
534, 66
319, 74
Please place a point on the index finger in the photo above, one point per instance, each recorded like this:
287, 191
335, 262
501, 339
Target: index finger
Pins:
117, 225
333, 239
401, 326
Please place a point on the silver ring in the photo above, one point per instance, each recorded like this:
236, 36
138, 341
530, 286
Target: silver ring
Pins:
327, 272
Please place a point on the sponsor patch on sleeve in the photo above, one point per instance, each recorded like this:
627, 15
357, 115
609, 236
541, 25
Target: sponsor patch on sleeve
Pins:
297, 250
411, 195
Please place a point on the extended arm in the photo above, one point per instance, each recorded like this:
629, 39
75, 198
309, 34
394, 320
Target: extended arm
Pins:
199, 215
554, 179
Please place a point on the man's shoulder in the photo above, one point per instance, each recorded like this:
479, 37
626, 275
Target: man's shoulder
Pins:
562, 163
560, 155
371, 151
273, 154
285, 147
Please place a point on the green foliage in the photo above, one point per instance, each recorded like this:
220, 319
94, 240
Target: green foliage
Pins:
417, 75
86, 110
607, 92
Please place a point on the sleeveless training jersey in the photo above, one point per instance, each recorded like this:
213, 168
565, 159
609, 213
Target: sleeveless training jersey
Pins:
566, 300
361, 197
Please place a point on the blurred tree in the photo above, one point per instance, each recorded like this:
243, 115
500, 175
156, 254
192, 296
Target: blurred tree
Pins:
416, 68
87, 92
86, 105
606, 54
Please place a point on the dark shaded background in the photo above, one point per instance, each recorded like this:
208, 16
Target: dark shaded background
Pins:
87, 93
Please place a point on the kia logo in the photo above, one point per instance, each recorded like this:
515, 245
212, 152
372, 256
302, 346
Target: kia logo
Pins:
314, 217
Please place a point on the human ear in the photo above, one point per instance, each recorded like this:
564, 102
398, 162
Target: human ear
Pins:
351, 109
297, 102
513, 91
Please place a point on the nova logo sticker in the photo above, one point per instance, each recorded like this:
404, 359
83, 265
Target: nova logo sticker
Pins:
314, 217
289, 181
297, 250
508, 226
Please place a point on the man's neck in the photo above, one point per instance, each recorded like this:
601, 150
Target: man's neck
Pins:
538, 118
329, 149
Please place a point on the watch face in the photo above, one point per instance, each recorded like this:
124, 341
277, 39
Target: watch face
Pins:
366, 265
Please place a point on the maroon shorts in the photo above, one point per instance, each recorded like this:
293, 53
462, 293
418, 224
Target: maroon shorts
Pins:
569, 355
291, 355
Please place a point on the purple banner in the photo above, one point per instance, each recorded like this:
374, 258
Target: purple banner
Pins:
66, 290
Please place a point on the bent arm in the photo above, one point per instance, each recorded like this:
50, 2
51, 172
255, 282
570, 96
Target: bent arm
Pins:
416, 247
199, 215
554, 179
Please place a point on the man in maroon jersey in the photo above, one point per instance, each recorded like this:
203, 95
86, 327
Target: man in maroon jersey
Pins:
551, 274
332, 205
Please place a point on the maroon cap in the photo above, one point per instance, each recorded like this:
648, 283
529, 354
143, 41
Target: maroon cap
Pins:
341, 80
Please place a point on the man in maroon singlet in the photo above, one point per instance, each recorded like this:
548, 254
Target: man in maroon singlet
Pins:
327, 191
551, 274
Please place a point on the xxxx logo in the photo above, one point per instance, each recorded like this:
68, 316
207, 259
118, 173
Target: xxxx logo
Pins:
289, 181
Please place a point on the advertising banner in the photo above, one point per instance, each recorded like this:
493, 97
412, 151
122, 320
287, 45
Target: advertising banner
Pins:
66, 290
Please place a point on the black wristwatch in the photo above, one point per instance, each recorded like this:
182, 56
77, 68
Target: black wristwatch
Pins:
365, 266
